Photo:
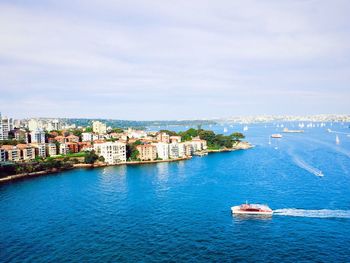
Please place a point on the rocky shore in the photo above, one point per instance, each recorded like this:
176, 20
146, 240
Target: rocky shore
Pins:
236, 147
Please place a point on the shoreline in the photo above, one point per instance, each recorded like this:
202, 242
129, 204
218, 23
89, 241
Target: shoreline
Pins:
15, 177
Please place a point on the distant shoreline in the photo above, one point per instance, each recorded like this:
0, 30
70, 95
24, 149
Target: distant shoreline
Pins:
15, 177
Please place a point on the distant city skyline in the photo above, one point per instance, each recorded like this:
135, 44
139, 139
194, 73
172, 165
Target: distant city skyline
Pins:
156, 60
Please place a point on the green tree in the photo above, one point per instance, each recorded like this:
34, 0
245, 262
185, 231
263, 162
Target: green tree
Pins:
91, 157
237, 136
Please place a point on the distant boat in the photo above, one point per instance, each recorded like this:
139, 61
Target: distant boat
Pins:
329, 130
225, 130
245, 128
337, 141
276, 136
286, 130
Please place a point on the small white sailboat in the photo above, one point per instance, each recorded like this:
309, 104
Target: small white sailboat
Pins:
225, 130
337, 141
245, 128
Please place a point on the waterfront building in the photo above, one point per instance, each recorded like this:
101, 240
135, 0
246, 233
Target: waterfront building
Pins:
51, 149
147, 152
37, 136
40, 149
162, 150
198, 144
12, 153
64, 149
99, 127
2, 155
182, 149
174, 150
112, 152
86, 137
163, 137
27, 152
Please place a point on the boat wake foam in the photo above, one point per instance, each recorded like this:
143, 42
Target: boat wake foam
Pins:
307, 167
323, 213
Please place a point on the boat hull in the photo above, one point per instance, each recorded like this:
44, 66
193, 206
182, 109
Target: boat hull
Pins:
238, 210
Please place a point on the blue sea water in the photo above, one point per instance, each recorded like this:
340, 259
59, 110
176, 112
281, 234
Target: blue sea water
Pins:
180, 212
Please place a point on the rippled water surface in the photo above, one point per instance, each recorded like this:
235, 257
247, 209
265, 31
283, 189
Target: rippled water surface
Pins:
181, 211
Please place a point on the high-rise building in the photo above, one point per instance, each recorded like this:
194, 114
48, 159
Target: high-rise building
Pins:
1, 131
6, 127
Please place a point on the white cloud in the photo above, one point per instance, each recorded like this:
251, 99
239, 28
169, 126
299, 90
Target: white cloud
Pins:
172, 53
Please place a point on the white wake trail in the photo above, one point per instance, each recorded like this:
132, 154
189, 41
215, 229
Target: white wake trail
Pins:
323, 213
307, 167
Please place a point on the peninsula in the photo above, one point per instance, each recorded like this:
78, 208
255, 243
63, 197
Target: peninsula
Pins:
36, 148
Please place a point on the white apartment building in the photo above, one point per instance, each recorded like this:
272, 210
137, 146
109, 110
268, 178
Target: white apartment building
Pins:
86, 137
54, 125
174, 150
182, 149
2, 155
64, 149
162, 150
37, 136
113, 152
51, 149
7, 126
99, 127
198, 144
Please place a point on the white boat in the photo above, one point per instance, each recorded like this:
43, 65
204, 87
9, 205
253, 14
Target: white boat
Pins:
251, 209
319, 173
225, 130
337, 141
245, 128
329, 130
276, 136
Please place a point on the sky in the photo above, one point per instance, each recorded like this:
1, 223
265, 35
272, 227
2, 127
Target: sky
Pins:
156, 59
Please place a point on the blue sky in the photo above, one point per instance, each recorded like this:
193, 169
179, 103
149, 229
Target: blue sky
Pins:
173, 59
